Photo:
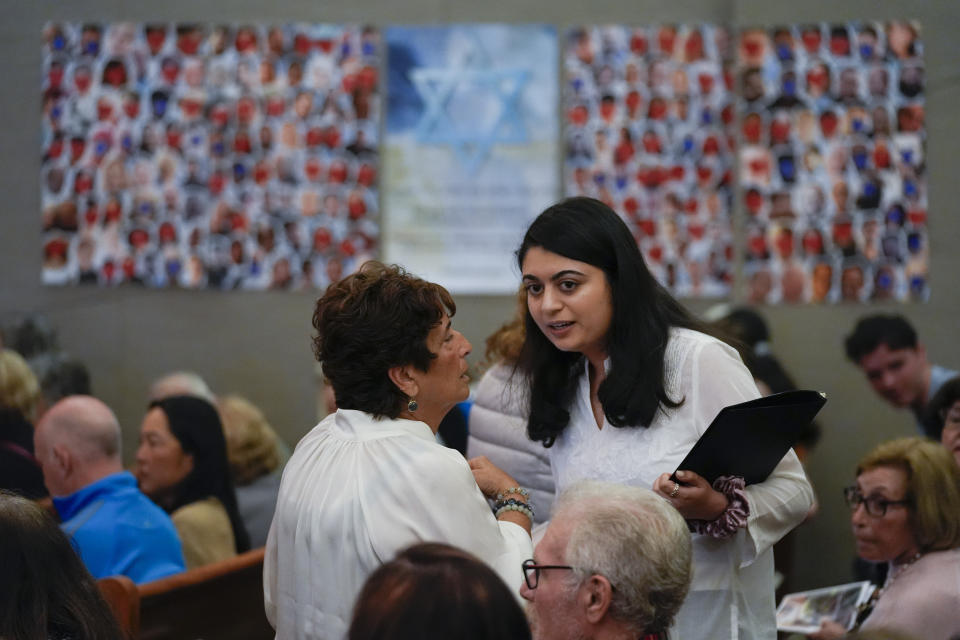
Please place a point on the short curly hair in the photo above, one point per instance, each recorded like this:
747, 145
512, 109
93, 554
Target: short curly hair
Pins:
369, 322
19, 388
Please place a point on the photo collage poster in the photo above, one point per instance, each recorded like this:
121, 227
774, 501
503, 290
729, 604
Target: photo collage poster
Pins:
209, 156
649, 130
248, 156
470, 149
832, 163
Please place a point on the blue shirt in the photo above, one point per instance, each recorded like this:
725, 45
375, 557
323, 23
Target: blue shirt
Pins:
117, 530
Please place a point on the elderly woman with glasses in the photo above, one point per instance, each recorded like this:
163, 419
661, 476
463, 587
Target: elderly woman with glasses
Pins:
906, 512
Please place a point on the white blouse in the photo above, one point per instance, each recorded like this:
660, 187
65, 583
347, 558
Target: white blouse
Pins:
355, 492
732, 593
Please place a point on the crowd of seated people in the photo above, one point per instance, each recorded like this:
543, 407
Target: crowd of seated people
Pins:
374, 529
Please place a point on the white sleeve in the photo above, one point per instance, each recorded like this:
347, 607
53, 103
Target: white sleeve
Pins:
779, 503
442, 503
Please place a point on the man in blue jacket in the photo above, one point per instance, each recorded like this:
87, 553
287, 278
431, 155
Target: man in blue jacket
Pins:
115, 528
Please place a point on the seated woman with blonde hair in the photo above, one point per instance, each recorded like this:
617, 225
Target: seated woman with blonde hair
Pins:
19, 396
254, 463
906, 512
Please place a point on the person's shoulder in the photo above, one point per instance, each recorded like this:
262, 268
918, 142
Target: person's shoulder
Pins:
685, 343
207, 509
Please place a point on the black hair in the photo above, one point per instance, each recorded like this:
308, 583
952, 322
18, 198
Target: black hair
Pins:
940, 404
195, 423
870, 332
587, 230
433, 590
45, 589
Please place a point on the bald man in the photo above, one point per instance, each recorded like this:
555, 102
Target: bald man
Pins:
116, 528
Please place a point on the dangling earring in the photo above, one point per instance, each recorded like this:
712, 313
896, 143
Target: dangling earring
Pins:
412, 405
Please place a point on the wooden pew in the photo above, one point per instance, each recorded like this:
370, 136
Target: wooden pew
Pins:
223, 600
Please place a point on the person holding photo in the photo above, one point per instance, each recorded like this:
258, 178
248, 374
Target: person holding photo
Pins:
905, 511
623, 382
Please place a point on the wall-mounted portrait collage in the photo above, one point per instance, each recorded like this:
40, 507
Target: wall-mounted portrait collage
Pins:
248, 156
650, 131
220, 157
832, 163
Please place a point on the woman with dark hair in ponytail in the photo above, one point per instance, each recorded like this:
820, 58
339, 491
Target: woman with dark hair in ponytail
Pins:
623, 381
182, 466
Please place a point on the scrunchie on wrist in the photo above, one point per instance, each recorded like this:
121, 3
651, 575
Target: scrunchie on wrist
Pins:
733, 518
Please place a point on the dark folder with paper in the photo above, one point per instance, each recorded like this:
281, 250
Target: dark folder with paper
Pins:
749, 439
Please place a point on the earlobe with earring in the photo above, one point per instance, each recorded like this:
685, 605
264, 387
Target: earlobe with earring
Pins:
412, 405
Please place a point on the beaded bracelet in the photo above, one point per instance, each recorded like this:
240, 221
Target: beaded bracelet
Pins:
514, 502
733, 518
519, 507
517, 490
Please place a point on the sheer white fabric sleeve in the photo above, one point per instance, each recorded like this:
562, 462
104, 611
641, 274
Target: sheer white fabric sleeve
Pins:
442, 503
778, 504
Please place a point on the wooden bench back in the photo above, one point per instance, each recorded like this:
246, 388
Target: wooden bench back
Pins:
223, 600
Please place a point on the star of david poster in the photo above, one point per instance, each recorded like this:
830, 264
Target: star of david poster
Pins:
648, 129
209, 156
470, 149
832, 163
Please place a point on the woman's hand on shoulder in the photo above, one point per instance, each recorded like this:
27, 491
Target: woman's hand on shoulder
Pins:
692, 496
490, 478
829, 630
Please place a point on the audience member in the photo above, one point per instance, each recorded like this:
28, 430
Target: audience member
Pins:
431, 591
906, 512
371, 478
45, 591
19, 393
886, 348
614, 563
498, 421
254, 464
945, 405
182, 465
181, 383
623, 381
750, 329
62, 378
115, 528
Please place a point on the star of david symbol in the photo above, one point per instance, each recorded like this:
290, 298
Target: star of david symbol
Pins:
471, 144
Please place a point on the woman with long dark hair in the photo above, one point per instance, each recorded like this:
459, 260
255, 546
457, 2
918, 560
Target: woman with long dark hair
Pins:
623, 381
46, 592
182, 466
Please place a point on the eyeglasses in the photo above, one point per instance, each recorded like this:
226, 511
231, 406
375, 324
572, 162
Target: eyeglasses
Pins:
531, 571
876, 507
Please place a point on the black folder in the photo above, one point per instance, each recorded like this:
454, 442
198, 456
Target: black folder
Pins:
749, 439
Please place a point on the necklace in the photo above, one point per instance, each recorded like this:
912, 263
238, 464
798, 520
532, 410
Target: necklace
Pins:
866, 608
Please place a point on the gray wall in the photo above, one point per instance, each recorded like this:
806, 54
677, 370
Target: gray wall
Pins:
257, 344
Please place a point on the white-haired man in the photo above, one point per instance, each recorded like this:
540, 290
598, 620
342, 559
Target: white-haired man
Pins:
614, 563
116, 528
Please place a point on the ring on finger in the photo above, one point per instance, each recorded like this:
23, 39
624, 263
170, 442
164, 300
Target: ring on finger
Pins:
676, 490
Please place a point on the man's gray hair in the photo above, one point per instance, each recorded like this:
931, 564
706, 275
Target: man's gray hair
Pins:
638, 541
181, 383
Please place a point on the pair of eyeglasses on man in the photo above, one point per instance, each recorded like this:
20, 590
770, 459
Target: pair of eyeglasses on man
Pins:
531, 571
875, 506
